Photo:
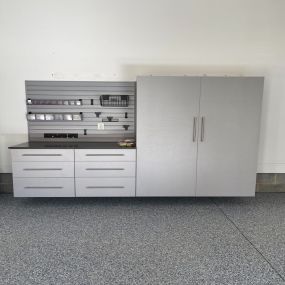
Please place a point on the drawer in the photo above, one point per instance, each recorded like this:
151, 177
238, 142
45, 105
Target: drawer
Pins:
43, 169
43, 187
105, 187
105, 155
105, 169
42, 155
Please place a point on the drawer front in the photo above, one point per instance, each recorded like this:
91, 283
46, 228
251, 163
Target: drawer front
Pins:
105, 155
105, 187
42, 155
43, 169
105, 169
43, 187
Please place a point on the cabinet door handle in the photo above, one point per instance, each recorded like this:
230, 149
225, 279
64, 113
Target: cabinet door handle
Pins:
202, 128
42, 187
105, 168
44, 169
194, 128
38, 154
104, 187
117, 154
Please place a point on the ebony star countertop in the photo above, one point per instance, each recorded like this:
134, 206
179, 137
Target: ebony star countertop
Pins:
69, 145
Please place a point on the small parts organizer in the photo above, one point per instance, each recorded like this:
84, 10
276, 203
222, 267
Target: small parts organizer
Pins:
54, 102
114, 100
54, 117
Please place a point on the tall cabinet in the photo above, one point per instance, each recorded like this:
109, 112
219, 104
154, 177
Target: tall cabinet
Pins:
197, 136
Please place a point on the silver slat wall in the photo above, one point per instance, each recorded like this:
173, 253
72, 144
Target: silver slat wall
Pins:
122, 124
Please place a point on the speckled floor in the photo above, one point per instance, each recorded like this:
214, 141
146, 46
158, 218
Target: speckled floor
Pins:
143, 241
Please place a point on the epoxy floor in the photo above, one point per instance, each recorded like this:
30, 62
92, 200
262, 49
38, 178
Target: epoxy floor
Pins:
143, 241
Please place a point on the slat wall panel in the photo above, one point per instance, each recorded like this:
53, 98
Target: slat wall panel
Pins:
86, 91
90, 108
87, 122
53, 93
85, 84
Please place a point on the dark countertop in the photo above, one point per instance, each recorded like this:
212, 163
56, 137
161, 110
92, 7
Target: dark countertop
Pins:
69, 145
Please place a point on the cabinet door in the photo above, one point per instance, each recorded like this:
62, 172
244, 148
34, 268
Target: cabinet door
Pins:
228, 138
166, 143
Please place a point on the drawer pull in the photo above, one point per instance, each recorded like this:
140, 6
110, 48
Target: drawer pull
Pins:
42, 187
46, 154
102, 154
104, 187
34, 169
104, 168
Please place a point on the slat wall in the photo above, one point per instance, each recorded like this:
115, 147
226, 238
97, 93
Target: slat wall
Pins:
86, 129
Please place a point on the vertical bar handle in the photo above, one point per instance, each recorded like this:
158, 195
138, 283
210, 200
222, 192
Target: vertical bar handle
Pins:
194, 128
202, 128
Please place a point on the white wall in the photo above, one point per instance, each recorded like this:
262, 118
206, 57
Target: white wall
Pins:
119, 39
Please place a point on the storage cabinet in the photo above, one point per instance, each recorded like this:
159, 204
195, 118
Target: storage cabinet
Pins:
70, 173
105, 172
197, 136
43, 172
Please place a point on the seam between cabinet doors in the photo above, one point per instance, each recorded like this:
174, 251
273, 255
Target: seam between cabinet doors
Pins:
198, 135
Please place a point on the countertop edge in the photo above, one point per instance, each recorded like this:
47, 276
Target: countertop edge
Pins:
81, 145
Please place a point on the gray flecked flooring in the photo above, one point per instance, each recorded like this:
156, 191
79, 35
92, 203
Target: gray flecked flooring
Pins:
143, 241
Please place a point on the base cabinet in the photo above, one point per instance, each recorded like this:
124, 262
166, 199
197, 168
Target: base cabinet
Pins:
74, 173
43, 172
105, 173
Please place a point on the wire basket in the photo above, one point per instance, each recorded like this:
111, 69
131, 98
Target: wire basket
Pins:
114, 100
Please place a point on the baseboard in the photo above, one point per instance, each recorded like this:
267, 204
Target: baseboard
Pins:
270, 182
6, 183
271, 168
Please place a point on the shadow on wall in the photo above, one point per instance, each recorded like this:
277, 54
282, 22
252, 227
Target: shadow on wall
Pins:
7, 140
